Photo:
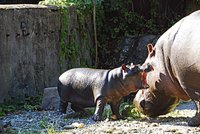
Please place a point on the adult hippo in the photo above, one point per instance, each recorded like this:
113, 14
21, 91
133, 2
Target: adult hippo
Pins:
176, 75
86, 87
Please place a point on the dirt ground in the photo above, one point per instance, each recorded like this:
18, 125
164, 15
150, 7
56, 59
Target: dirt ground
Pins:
50, 122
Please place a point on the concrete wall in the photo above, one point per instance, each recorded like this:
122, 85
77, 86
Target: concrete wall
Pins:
29, 44
19, 1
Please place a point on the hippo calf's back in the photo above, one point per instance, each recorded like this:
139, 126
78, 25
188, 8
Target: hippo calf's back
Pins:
82, 82
83, 77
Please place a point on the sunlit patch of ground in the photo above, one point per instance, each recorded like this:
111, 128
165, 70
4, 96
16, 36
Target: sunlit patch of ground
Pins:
50, 122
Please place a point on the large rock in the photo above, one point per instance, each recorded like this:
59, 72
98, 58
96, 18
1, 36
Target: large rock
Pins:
50, 99
133, 49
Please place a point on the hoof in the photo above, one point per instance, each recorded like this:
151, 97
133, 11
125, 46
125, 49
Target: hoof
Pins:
194, 122
62, 111
114, 117
59, 112
96, 117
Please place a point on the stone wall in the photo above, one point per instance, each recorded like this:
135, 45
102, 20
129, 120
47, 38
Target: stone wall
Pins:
29, 40
19, 1
30, 48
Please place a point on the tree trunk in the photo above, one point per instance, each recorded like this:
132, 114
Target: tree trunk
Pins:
95, 33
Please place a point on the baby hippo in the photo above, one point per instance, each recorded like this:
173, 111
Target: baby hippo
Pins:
86, 87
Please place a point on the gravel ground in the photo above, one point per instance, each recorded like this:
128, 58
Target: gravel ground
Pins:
51, 122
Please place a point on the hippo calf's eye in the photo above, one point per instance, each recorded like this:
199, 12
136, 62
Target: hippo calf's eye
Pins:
149, 68
136, 69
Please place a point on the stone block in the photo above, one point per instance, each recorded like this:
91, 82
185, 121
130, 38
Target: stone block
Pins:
51, 99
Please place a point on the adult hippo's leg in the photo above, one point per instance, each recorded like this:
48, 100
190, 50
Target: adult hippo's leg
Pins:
195, 95
115, 110
195, 121
197, 103
100, 104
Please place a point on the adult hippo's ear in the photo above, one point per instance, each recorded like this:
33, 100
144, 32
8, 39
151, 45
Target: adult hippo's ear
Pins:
151, 51
124, 68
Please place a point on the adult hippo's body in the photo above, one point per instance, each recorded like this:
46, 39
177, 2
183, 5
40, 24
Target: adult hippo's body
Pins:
176, 75
86, 87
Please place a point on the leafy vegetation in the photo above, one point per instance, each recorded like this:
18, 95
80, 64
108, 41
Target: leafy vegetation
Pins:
121, 19
114, 20
128, 110
69, 46
30, 103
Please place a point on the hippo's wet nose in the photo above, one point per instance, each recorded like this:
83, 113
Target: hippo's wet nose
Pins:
146, 105
142, 104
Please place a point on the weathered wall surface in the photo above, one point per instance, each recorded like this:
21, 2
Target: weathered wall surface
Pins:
31, 53
29, 40
19, 1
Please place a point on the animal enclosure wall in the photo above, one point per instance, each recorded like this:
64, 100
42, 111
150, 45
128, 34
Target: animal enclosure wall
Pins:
30, 47
29, 40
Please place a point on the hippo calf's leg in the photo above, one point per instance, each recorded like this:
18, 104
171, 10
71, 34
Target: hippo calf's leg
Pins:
63, 107
100, 104
77, 108
195, 121
115, 110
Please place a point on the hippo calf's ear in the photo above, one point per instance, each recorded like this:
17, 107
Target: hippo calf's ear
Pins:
124, 68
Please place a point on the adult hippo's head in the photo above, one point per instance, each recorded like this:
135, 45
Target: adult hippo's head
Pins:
155, 100
154, 103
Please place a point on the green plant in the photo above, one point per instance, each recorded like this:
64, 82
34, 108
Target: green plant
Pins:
29, 103
128, 110
107, 113
9, 130
51, 130
70, 49
43, 123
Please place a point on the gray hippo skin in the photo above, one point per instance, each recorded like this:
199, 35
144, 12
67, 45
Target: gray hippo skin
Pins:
86, 87
176, 75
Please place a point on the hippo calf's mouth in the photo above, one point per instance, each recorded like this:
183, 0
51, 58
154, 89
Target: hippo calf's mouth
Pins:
144, 80
144, 84
145, 69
